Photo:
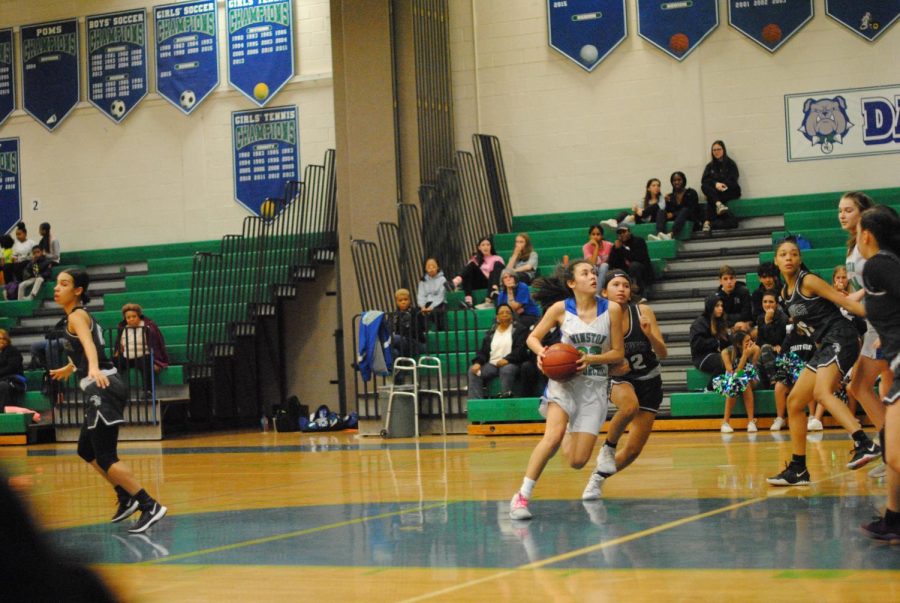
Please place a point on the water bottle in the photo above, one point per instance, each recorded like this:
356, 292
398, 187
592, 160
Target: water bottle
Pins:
264, 423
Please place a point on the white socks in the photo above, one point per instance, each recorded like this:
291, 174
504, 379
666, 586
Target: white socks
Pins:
527, 487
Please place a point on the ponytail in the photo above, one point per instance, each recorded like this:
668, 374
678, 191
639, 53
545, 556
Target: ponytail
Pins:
884, 224
547, 290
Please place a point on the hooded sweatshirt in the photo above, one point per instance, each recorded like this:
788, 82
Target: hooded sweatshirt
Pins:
703, 342
432, 289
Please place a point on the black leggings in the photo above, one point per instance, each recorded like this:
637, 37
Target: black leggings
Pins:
99, 443
473, 278
713, 195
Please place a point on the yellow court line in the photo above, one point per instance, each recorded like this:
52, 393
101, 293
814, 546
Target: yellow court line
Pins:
277, 537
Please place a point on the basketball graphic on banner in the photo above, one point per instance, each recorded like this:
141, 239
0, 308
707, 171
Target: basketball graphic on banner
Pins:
679, 43
771, 34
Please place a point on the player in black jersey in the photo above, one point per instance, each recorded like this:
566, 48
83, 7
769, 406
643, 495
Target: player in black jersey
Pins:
105, 397
638, 394
813, 303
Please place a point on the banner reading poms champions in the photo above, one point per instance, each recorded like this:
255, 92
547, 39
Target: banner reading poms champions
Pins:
586, 31
7, 75
117, 61
50, 70
266, 146
260, 47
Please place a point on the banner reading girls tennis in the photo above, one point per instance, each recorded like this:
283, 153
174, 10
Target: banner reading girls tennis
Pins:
586, 31
117, 61
10, 195
266, 155
50, 70
677, 27
866, 18
769, 23
7, 75
187, 61
260, 47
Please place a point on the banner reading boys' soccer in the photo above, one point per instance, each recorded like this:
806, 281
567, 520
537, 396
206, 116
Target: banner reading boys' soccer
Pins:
50, 70
260, 47
677, 27
866, 18
586, 31
266, 156
7, 75
117, 61
769, 23
10, 196
187, 61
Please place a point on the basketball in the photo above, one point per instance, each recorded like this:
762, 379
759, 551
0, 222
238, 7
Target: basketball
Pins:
561, 361
771, 34
261, 91
679, 43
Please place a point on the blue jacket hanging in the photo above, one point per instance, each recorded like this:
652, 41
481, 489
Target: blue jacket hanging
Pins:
374, 345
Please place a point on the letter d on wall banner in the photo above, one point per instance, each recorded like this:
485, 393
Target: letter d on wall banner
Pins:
50, 70
10, 195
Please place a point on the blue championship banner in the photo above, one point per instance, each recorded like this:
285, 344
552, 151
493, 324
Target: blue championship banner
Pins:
867, 18
10, 196
187, 59
117, 61
586, 31
50, 70
266, 155
769, 23
677, 27
7, 75
260, 47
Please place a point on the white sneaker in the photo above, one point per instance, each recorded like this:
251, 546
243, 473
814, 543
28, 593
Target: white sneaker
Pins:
594, 486
485, 305
606, 460
518, 507
726, 428
813, 424
878, 472
777, 424
665, 236
751, 426
721, 208
611, 223
652, 237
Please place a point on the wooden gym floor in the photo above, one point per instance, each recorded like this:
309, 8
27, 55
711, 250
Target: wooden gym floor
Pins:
298, 517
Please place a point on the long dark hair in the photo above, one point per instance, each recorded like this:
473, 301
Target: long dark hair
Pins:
725, 156
647, 191
884, 224
718, 325
479, 257
80, 278
862, 202
547, 290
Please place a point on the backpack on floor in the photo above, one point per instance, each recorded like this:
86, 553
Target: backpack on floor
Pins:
287, 416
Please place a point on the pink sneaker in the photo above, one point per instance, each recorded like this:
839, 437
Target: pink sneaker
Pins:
518, 507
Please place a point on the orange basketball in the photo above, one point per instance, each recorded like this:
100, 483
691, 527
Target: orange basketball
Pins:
561, 361
771, 34
679, 43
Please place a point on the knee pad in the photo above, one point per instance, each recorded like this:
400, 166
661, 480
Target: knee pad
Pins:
107, 460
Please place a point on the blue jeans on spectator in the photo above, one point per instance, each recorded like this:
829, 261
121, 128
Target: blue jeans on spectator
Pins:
507, 374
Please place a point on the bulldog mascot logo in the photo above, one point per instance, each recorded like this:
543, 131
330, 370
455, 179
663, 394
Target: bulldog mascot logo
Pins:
825, 122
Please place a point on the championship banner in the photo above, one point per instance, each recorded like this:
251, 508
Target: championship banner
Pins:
769, 23
10, 195
260, 47
187, 59
266, 156
842, 123
867, 18
7, 75
677, 27
586, 31
117, 61
50, 74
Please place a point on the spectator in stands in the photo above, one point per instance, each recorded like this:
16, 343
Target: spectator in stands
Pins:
482, 271
681, 205
137, 337
709, 336
737, 299
647, 211
629, 253
502, 350
6, 243
524, 259
432, 294
769, 280
408, 327
517, 296
738, 358
12, 377
36, 272
597, 251
771, 331
49, 244
719, 184
21, 254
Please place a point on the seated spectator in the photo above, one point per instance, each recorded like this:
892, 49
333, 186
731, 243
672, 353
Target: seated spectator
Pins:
769, 280
524, 259
629, 253
6, 243
771, 329
517, 296
133, 350
36, 272
482, 271
798, 347
432, 295
720, 185
12, 377
407, 326
21, 255
740, 378
709, 336
737, 300
840, 280
597, 251
502, 350
646, 212
681, 205
49, 244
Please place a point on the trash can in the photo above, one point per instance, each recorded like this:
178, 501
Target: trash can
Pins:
402, 417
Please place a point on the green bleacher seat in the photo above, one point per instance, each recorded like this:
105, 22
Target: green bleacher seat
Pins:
711, 404
140, 253
513, 410
14, 423
697, 379
816, 259
773, 206
818, 237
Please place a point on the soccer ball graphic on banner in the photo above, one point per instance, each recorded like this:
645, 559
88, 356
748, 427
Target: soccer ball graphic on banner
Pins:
117, 108
187, 99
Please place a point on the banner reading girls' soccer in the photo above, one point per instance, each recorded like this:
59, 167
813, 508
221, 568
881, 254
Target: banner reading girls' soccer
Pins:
867, 18
117, 61
586, 31
677, 27
266, 146
260, 47
187, 61
842, 123
10, 196
7, 75
50, 70
769, 23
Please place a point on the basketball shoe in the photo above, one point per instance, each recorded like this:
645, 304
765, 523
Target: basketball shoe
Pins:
791, 476
518, 507
127, 507
149, 516
594, 487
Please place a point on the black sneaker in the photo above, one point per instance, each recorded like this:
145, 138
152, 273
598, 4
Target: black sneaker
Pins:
126, 509
790, 477
880, 530
149, 517
862, 454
